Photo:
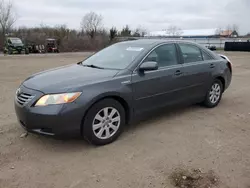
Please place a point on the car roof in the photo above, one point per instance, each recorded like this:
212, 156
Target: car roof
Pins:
152, 42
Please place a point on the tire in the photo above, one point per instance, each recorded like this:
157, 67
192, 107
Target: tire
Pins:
214, 94
27, 51
10, 52
113, 125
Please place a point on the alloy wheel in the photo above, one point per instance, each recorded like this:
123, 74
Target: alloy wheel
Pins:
106, 123
214, 94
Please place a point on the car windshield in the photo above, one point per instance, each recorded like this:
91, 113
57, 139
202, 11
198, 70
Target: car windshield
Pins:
16, 41
117, 56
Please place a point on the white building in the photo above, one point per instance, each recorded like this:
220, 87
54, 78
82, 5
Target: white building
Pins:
188, 33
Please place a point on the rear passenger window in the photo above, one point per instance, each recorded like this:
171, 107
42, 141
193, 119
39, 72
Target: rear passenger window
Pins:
190, 53
164, 55
206, 56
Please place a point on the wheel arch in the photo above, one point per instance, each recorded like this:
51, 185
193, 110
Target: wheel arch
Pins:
125, 104
222, 79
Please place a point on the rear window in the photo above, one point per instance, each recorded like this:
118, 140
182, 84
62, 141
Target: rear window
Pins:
190, 53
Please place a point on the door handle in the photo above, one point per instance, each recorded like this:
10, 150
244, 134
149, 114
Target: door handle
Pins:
178, 73
212, 66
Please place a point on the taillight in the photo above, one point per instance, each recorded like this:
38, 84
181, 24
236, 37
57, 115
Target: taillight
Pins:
230, 65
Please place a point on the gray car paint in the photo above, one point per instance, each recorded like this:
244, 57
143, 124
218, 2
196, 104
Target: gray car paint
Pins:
138, 91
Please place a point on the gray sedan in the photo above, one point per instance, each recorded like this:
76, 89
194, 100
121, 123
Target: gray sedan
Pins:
97, 97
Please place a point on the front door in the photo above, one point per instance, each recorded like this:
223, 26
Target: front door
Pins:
158, 88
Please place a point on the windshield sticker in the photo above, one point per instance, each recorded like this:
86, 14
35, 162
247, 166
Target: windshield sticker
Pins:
137, 49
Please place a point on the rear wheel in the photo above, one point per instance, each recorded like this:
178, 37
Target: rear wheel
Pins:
214, 94
104, 122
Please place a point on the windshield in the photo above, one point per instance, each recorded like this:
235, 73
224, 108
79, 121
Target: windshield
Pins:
117, 56
16, 41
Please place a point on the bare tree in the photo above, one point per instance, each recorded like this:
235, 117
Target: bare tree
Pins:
137, 33
174, 31
140, 32
232, 28
7, 16
112, 33
218, 31
235, 27
91, 23
126, 31
143, 32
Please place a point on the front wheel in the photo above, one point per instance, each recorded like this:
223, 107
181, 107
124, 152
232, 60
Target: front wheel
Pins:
214, 94
104, 122
10, 52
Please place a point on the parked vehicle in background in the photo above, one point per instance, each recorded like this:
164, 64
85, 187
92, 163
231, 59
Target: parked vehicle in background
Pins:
97, 97
211, 47
35, 48
51, 46
14, 45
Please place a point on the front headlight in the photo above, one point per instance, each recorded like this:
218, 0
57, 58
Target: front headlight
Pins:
57, 99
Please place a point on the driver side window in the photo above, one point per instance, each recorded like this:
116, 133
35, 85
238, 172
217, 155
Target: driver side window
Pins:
164, 55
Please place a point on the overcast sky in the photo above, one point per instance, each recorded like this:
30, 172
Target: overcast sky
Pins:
150, 14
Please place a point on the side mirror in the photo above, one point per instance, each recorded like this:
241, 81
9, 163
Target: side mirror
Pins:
148, 66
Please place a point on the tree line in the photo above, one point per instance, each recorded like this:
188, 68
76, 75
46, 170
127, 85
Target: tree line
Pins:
91, 36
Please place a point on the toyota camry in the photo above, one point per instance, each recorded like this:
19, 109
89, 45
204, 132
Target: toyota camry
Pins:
97, 97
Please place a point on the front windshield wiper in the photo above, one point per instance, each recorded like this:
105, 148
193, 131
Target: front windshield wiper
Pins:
92, 66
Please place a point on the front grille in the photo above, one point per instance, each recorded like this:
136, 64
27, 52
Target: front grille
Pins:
24, 98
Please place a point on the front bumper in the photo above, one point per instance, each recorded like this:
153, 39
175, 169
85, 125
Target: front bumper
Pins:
53, 120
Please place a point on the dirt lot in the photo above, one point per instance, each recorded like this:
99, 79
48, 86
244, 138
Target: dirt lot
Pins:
144, 156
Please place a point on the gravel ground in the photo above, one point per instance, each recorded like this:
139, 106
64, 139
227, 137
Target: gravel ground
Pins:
145, 155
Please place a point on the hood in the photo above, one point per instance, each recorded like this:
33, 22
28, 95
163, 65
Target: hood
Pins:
68, 77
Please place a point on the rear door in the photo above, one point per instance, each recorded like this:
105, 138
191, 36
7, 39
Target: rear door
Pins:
197, 70
154, 89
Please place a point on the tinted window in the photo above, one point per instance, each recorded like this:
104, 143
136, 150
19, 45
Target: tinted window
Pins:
206, 56
164, 55
190, 53
117, 56
16, 41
